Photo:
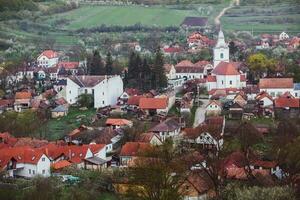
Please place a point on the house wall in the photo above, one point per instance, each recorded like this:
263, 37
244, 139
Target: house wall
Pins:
267, 102
274, 92
72, 91
42, 168
228, 81
190, 76
57, 114
171, 134
43, 61
101, 154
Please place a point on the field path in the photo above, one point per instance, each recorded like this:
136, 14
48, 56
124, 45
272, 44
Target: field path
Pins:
231, 5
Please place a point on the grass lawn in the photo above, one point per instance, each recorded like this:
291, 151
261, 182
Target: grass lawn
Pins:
93, 16
55, 129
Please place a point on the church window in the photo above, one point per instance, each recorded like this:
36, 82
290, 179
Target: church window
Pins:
222, 82
230, 82
222, 55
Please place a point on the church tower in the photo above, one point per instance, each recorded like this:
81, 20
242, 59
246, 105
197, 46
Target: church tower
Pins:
221, 50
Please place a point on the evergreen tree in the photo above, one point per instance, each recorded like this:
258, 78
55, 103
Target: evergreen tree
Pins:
95, 64
109, 64
132, 66
159, 71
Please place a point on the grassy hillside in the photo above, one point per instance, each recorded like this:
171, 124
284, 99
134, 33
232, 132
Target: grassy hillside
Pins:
92, 16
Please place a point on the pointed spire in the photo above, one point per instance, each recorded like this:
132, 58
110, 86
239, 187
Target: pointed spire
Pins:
221, 40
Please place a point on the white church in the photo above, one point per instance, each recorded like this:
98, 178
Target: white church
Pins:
225, 75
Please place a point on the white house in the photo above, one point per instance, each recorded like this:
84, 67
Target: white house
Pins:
187, 70
25, 72
213, 108
276, 86
264, 99
283, 36
47, 58
169, 128
221, 50
24, 162
105, 89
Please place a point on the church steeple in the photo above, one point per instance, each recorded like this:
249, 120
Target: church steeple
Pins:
221, 50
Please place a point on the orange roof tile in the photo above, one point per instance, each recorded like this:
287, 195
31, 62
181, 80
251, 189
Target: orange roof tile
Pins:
211, 79
118, 122
153, 103
133, 148
61, 164
134, 100
68, 65
23, 95
286, 102
49, 54
225, 68
266, 83
185, 63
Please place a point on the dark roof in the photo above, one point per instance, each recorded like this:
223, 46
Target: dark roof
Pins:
170, 124
96, 160
60, 108
193, 69
194, 21
87, 81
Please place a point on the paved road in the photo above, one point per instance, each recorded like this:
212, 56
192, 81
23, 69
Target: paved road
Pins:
200, 113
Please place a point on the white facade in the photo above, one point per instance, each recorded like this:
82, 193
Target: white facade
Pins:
42, 168
228, 81
44, 61
283, 36
275, 92
106, 92
190, 76
221, 50
21, 74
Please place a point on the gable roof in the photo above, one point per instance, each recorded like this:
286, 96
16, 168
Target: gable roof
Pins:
147, 137
266, 83
23, 95
118, 122
61, 164
262, 95
168, 125
184, 63
68, 65
87, 81
287, 102
153, 103
134, 100
214, 102
133, 148
225, 68
195, 21
49, 54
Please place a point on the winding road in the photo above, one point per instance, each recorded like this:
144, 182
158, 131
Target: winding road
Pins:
231, 5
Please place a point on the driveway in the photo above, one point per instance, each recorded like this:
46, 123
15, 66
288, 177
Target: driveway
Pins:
200, 113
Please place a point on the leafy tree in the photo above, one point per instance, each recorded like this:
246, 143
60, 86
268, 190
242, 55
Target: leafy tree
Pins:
259, 64
86, 100
232, 49
109, 64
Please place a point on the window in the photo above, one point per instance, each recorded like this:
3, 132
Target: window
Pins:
44, 171
222, 82
102, 93
29, 171
43, 159
85, 91
230, 82
273, 94
33, 172
296, 94
93, 91
221, 55
70, 92
103, 102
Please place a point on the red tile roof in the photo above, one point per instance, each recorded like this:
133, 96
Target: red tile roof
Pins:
118, 122
185, 63
211, 79
262, 95
267, 83
153, 103
225, 68
134, 100
132, 91
23, 95
6, 102
49, 54
147, 137
172, 50
68, 65
61, 164
22, 154
286, 102
134, 148
201, 63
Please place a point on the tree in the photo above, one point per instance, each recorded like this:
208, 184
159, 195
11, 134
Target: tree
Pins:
95, 64
157, 175
232, 49
159, 71
109, 64
259, 64
86, 100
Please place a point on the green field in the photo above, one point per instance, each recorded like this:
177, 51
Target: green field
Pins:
92, 16
55, 129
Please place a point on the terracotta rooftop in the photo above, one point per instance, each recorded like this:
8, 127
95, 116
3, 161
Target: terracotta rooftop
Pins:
267, 83
118, 122
153, 103
287, 102
49, 54
211, 78
184, 63
23, 95
133, 148
68, 65
61, 164
225, 68
134, 100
